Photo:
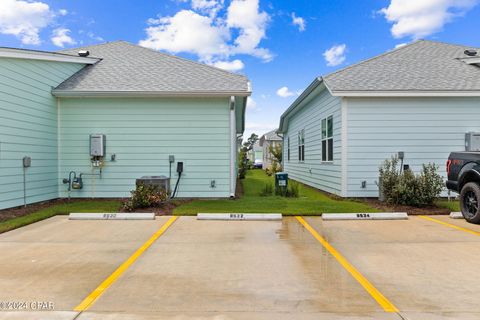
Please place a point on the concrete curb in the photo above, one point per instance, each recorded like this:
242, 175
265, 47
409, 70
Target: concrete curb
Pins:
112, 216
366, 216
240, 216
456, 215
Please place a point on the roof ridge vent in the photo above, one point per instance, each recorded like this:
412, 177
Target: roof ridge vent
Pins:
470, 52
83, 53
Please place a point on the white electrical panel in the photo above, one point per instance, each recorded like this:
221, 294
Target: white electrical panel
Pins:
472, 141
97, 145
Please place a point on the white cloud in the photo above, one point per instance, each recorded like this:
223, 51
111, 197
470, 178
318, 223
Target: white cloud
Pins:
63, 12
24, 19
335, 55
61, 37
419, 19
245, 16
209, 6
299, 22
403, 44
239, 31
187, 31
284, 92
251, 104
232, 66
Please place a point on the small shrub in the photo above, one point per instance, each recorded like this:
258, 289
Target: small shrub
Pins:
273, 168
144, 197
242, 164
406, 188
267, 190
293, 190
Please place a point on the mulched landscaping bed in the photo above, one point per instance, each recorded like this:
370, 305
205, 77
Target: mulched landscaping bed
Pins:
431, 210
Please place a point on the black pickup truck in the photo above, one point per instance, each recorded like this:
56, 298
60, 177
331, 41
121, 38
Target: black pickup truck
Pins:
463, 170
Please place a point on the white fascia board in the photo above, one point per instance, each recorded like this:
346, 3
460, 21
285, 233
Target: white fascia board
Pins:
45, 56
146, 94
406, 93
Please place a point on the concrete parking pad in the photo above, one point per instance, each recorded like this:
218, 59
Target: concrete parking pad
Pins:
429, 271
226, 270
61, 261
234, 270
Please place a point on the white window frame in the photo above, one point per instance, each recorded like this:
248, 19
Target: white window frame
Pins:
325, 138
301, 145
288, 148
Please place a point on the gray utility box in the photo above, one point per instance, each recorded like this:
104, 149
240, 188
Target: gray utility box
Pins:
281, 183
472, 141
162, 182
97, 145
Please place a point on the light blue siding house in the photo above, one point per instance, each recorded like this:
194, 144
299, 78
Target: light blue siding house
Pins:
420, 99
148, 105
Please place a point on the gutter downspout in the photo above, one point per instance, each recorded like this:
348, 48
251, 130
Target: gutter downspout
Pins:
233, 147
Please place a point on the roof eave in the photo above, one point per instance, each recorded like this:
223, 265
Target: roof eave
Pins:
406, 93
315, 84
146, 94
45, 56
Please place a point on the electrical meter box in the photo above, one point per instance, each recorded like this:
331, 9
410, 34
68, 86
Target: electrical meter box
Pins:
472, 141
97, 145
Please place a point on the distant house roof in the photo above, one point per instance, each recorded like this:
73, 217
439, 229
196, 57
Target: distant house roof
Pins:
128, 69
422, 68
270, 136
423, 65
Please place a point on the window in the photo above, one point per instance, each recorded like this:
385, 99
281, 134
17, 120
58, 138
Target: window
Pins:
288, 148
327, 139
301, 145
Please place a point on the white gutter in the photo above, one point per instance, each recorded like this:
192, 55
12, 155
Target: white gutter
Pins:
147, 94
45, 56
233, 147
406, 93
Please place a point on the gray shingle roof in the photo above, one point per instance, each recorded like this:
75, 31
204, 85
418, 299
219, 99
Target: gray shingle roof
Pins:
126, 67
272, 135
421, 66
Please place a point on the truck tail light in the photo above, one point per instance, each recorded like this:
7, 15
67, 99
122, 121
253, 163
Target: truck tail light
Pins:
449, 163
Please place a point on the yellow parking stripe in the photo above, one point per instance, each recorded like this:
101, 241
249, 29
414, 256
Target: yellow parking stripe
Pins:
380, 298
451, 225
92, 297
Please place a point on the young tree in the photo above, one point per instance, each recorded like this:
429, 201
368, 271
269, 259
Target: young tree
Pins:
248, 145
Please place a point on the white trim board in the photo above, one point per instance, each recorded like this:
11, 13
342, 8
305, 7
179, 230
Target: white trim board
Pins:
112, 216
45, 56
344, 139
366, 216
406, 93
147, 94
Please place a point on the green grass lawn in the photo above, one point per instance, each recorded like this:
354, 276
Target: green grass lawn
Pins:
310, 202
64, 208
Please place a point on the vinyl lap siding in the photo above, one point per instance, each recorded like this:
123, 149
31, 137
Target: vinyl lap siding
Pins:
143, 133
426, 129
28, 127
324, 176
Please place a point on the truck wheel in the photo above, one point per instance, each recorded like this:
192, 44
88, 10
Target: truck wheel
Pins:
469, 202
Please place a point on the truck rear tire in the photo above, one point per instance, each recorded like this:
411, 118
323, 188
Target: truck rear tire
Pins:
469, 202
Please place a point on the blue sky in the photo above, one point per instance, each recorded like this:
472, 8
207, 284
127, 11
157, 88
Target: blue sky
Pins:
280, 45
